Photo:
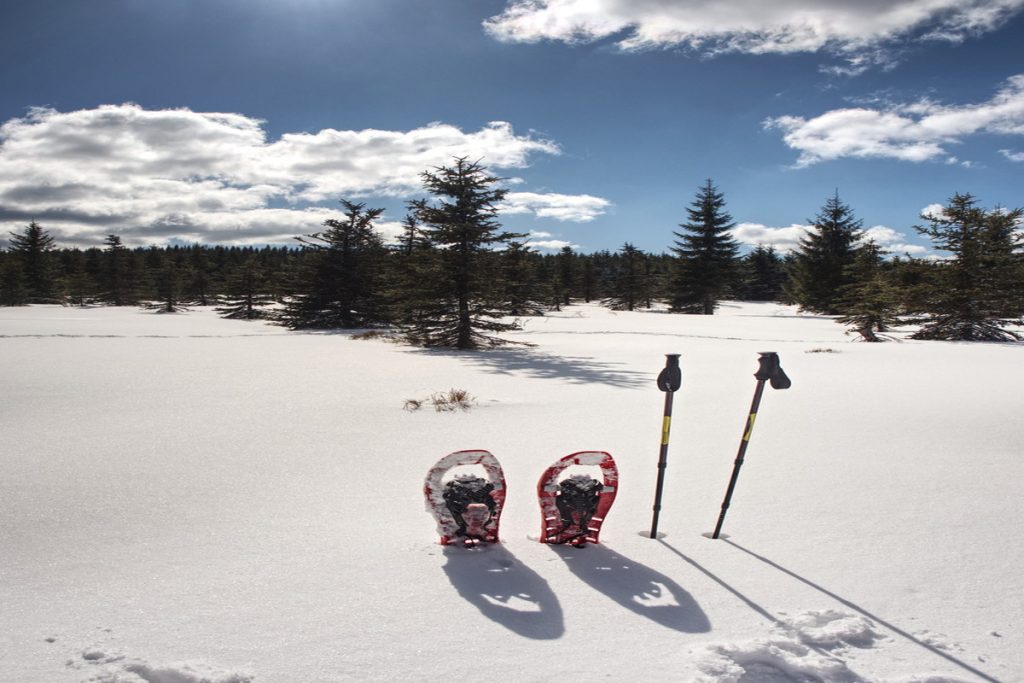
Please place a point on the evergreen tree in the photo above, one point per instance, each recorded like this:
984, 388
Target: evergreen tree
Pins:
461, 302
629, 287
820, 267
976, 294
246, 296
869, 302
763, 275
116, 278
706, 254
523, 293
566, 274
78, 287
33, 248
12, 282
339, 285
168, 286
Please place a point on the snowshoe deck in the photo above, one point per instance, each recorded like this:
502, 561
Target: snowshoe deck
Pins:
574, 508
467, 507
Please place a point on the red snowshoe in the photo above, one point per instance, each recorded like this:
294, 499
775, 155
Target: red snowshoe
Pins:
574, 508
467, 507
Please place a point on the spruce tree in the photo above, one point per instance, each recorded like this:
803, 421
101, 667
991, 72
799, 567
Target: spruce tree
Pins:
820, 265
461, 303
763, 275
33, 248
169, 286
247, 293
12, 281
705, 254
116, 284
523, 293
869, 302
629, 288
976, 294
566, 274
338, 285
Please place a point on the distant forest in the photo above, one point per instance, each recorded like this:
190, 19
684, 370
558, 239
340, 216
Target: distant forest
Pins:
456, 278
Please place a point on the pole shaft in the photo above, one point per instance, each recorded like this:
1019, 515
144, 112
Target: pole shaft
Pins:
748, 429
666, 425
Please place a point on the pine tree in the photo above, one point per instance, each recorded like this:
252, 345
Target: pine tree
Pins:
338, 286
869, 302
820, 265
33, 249
706, 254
976, 294
461, 303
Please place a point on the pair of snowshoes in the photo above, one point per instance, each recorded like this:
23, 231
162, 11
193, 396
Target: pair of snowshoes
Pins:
468, 507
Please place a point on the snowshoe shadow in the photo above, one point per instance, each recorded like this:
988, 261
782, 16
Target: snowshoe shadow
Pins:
505, 590
636, 587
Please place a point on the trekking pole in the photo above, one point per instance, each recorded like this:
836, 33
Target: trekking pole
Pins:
770, 371
669, 380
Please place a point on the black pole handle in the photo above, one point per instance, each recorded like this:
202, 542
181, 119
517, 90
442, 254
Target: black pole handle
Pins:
669, 381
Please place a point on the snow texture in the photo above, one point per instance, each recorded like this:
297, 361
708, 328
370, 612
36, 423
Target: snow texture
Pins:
189, 499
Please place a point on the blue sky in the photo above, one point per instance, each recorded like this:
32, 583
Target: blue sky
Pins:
244, 121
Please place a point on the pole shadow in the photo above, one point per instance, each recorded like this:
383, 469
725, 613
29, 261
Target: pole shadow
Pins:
636, 587
874, 617
505, 590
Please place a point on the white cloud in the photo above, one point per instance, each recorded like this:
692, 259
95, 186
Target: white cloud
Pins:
892, 241
579, 208
783, 239
150, 175
933, 210
920, 131
855, 29
1011, 155
786, 239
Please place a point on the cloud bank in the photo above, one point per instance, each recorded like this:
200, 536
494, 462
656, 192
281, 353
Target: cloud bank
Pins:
858, 30
151, 175
787, 239
920, 131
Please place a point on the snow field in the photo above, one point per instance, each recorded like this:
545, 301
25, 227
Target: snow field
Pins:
185, 498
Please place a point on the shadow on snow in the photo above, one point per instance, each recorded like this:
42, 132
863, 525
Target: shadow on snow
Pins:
505, 590
636, 587
531, 363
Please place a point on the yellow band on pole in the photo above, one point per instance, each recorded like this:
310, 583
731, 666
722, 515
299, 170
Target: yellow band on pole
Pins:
665, 425
750, 427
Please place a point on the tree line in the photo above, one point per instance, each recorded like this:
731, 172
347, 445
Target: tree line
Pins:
457, 278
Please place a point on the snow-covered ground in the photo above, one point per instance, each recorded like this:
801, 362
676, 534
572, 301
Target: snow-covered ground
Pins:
185, 498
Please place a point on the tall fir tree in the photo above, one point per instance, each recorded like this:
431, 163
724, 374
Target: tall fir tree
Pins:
975, 295
33, 248
461, 303
705, 254
566, 274
820, 268
339, 284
